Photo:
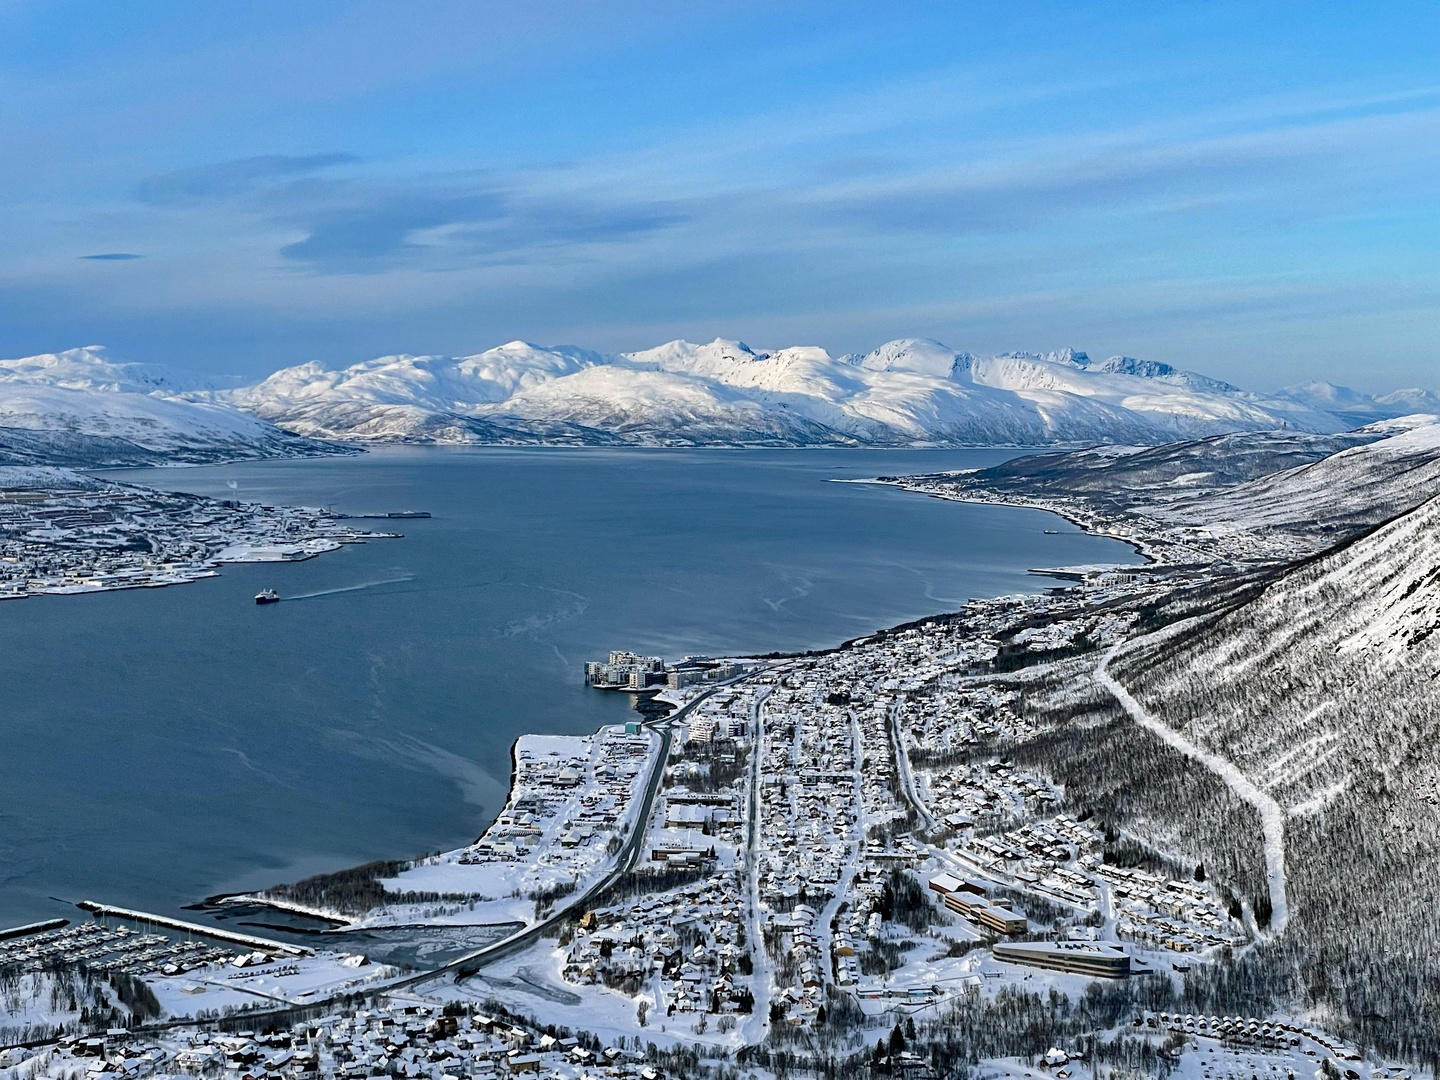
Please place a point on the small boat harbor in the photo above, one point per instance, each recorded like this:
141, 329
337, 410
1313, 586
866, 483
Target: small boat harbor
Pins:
109, 949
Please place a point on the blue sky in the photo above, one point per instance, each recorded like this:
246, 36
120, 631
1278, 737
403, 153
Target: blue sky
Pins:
1246, 189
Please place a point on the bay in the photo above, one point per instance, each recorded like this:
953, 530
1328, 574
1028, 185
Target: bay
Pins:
158, 746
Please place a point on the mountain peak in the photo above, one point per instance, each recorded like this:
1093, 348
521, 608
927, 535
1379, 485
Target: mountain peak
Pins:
92, 367
1128, 365
906, 392
1357, 408
681, 354
922, 356
1069, 357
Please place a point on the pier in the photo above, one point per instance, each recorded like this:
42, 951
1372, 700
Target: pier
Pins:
249, 941
33, 928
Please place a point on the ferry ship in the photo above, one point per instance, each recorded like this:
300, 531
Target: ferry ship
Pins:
267, 596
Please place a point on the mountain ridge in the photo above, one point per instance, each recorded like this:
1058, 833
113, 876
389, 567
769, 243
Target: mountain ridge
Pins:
1321, 691
81, 408
910, 392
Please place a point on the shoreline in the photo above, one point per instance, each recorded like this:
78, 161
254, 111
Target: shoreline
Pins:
1064, 513
63, 533
340, 921
633, 831
342, 924
524, 938
626, 824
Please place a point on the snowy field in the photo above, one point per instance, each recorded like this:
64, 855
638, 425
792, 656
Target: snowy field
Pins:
287, 981
572, 800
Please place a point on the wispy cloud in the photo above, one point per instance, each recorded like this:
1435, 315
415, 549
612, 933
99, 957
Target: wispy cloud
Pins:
113, 256
1194, 174
226, 178
374, 228
584, 174
371, 231
717, 203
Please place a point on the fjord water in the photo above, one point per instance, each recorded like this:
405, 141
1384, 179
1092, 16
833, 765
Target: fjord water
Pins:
162, 745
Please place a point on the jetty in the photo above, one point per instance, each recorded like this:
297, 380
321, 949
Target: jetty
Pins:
248, 940
33, 928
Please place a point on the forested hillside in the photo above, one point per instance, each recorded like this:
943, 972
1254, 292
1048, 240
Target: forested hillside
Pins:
1323, 691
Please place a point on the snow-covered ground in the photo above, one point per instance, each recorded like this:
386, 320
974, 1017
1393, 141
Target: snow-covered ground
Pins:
572, 799
285, 980
83, 392
1352, 488
532, 982
1272, 816
907, 392
64, 532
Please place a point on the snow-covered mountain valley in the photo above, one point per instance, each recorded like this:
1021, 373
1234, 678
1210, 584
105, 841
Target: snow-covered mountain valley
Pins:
1249, 496
1351, 489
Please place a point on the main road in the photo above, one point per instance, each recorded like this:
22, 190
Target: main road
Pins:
470, 963
629, 855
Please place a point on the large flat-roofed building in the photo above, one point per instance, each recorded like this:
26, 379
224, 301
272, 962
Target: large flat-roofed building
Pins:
969, 900
1076, 957
945, 883
626, 669
980, 910
949, 883
1001, 920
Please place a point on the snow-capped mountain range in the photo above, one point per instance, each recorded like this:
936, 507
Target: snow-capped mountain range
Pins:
1313, 489
1357, 409
911, 392
906, 393
1335, 495
81, 408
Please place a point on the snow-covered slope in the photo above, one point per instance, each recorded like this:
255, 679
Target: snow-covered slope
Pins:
1354, 488
1129, 477
92, 368
1374, 602
1323, 690
84, 408
1316, 487
908, 392
1356, 408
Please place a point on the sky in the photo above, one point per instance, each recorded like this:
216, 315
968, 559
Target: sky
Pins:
1244, 189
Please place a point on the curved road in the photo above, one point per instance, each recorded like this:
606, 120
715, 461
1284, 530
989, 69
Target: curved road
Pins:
471, 963
629, 855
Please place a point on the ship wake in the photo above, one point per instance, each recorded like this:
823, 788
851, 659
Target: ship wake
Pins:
350, 588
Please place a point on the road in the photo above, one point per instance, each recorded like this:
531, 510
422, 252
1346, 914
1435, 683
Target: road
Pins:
1272, 816
902, 763
755, 935
471, 963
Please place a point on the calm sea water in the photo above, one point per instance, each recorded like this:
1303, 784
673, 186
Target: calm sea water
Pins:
159, 746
